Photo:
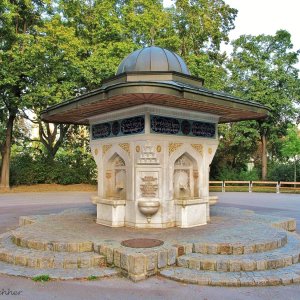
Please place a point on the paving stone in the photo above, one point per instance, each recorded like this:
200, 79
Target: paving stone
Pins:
273, 259
236, 240
11, 253
151, 261
162, 258
172, 254
137, 265
284, 276
64, 274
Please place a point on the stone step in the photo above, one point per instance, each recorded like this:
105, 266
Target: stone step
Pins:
284, 276
28, 241
64, 274
274, 259
239, 248
11, 253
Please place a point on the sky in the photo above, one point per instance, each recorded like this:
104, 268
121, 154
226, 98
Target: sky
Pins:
265, 17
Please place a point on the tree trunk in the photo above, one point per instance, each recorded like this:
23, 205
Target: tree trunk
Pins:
295, 171
264, 157
5, 153
52, 139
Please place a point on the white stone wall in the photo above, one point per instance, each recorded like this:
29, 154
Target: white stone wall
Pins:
149, 162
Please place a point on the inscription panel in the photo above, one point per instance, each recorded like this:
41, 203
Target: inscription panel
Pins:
148, 184
183, 127
128, 126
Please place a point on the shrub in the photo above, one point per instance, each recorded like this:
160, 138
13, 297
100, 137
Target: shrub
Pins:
227, 173
283, 172
41, 278
64, 169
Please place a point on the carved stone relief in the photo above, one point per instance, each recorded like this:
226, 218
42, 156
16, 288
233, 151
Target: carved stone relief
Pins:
149, 186
173, 147
148, 156
125, 147
198, 147
115, 178
105, 148
185, 178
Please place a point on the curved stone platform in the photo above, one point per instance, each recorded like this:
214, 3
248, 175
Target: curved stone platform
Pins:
285, 276
237, 248
279, 258
62, 274
11, 253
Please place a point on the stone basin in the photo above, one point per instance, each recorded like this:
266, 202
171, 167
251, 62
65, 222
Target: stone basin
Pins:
148, 208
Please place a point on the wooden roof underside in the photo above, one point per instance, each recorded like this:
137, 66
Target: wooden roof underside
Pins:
79, 110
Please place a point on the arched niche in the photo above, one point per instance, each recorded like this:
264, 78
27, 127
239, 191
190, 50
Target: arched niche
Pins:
185, 178
115, 178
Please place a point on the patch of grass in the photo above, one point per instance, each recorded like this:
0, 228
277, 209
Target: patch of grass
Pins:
41, 278
92, 277
38, 188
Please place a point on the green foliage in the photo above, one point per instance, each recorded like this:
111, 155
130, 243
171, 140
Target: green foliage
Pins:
70, 168
236, 148
263, 69
52, 50
283, 172
211, 69
41, 278
92, 277
201, 24
228, 173
291, 143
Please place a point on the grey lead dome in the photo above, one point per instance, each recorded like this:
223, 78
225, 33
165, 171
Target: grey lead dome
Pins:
151, 59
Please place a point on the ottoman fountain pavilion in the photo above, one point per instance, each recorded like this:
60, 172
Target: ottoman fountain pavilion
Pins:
153, 135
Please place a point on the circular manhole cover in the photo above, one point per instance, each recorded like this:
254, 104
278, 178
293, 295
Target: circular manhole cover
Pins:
142, 243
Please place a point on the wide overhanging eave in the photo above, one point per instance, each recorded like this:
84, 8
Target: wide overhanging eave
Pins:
82, 106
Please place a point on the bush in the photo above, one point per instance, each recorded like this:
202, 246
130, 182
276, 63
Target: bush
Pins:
283, 172
249, 175
64, 169
227, 173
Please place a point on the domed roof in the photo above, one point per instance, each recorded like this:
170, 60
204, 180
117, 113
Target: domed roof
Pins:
153, 59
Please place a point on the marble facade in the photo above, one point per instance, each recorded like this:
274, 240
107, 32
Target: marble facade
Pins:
153, 168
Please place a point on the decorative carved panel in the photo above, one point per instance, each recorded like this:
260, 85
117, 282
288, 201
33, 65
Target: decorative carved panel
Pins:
198, 148
149, 186
125, 147
105, 148
173, 147
148, 156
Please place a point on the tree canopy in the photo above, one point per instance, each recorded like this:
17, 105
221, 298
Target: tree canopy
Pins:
52, 50
262, 69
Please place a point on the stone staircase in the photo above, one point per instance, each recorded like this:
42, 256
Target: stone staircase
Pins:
31, 258
238, 248
269, 263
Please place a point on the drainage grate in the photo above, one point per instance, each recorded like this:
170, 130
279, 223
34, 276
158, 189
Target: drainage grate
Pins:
142, 243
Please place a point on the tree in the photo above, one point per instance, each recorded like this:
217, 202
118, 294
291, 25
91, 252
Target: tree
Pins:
201, 24
212, 70
52, 50
57, 76
17, 22
291, 147
262, 68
